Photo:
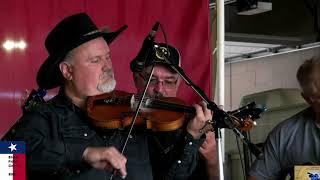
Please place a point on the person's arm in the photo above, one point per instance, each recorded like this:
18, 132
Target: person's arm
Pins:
52, 150
106, 158
45, 151
186, 153
268, 165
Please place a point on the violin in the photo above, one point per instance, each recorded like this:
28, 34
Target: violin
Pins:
115, 110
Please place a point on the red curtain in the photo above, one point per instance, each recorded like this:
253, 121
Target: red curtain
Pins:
186, 24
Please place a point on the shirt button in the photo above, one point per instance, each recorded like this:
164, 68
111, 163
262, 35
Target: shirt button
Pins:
85, 134
179, 162
130, 136
78, 171
190, 143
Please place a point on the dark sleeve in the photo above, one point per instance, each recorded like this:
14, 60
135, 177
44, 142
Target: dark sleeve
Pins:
45, 150
174, 156
200, 171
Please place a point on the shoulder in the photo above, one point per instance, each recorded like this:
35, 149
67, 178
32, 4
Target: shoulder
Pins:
288, 131
41, 116
294, 123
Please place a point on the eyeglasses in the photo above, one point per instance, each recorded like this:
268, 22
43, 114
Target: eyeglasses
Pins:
170, 84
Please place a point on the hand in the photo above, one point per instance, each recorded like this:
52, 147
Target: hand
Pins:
208, 149
203, 114
105, 158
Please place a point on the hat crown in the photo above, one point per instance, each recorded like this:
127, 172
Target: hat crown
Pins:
65, 36
163, 51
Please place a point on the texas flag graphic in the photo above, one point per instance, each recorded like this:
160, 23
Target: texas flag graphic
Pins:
12, 160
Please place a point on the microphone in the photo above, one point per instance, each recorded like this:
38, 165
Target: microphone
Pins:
138, 63
153, 31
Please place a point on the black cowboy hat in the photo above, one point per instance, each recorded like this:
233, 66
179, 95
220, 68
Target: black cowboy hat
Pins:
70, 33
158, 53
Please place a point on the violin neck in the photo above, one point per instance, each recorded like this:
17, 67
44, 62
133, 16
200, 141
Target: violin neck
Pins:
160, 104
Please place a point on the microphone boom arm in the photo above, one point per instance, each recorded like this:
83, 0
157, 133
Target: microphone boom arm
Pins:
223, 119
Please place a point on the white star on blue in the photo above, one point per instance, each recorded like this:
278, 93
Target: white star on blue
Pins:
12, 147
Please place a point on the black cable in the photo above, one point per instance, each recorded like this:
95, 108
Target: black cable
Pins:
241, 159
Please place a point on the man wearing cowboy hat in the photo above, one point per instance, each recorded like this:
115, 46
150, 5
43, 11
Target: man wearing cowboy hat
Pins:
61, 143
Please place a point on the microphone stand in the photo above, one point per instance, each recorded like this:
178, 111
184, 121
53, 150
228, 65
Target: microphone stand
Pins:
222, 119
219, 114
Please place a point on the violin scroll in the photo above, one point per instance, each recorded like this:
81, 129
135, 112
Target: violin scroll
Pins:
242, 118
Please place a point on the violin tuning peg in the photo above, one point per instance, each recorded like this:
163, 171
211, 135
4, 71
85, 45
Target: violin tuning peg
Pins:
255, 123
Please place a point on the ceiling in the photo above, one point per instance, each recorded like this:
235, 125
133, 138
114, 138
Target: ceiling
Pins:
273, 27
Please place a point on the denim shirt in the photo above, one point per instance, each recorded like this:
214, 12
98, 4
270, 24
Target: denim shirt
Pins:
57, 133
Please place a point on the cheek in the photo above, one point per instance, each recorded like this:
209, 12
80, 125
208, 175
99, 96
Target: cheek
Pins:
86, 78
172, 92
150, 91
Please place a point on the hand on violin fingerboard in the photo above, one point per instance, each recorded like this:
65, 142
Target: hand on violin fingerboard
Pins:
203, 114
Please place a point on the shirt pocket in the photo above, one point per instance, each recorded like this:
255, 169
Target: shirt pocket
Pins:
76, 135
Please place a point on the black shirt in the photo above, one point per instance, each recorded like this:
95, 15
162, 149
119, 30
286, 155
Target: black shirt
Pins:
57, 133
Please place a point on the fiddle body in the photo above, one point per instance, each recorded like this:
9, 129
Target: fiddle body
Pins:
115, 110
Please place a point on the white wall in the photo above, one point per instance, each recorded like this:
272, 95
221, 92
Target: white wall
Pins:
247, 77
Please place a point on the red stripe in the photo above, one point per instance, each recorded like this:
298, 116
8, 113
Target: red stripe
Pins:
19, 167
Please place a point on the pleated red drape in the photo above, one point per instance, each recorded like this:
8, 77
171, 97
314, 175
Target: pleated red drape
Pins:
185, 22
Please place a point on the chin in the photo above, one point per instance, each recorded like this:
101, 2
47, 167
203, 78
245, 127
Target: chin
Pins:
107, 87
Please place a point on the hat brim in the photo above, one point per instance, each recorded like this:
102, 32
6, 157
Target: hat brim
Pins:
49, 76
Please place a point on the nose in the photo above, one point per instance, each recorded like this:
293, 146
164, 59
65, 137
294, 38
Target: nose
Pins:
107, 64
159, 88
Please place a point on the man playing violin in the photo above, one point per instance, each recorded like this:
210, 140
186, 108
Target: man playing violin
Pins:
165, 83
295, 141
60, 141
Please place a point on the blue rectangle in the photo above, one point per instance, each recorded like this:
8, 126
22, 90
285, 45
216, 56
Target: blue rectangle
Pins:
12, 147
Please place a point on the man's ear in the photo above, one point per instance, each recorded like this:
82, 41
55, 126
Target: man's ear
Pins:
66, 70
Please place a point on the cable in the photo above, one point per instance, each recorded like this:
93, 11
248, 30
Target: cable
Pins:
241, 159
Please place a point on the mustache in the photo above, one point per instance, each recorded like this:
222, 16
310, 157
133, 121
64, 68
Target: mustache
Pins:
158, 95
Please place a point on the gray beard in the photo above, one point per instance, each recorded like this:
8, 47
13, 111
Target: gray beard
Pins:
107, 87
